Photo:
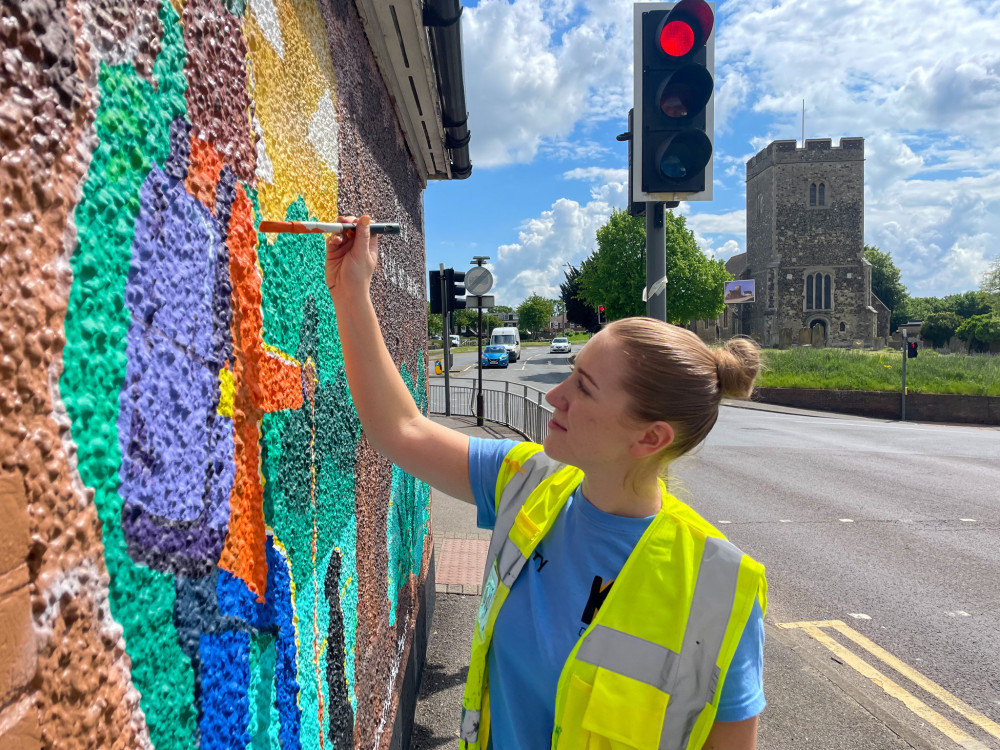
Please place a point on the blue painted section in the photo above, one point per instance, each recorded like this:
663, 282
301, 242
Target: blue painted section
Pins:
225, 683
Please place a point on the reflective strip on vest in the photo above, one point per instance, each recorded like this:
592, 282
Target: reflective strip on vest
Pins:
533, 472
510, 562
470, 725
629, 655
711, 606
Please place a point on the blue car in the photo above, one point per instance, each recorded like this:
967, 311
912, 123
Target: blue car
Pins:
495, 356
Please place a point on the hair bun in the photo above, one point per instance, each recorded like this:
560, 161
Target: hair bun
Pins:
737, 364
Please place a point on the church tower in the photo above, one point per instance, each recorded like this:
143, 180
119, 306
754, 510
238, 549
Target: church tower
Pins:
805, 245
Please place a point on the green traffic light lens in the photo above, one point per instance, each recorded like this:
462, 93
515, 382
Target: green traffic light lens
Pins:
684, 155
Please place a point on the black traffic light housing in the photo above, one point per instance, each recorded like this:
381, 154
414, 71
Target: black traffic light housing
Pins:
454, 288
674, 61
911, 349
602, 316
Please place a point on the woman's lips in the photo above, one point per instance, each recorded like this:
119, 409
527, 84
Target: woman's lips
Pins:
554, 425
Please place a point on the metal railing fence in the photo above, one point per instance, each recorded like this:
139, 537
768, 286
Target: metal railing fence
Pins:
515, 405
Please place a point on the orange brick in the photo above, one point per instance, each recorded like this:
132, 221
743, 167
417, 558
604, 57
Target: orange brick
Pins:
18, 651
14, 511
19, 728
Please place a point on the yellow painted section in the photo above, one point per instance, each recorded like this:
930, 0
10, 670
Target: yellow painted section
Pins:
287, 93
815, 630
227, 393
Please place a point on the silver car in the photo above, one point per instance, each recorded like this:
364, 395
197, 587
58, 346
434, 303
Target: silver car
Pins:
560, 345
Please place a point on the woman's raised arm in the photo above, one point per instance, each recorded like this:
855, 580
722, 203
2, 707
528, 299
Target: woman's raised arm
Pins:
390, 418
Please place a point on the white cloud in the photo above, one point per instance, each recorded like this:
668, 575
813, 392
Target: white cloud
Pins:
564, 234
529, 78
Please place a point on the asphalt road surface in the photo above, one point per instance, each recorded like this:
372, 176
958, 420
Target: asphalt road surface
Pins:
882, 547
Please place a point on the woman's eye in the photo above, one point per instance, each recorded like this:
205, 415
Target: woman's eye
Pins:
579, 385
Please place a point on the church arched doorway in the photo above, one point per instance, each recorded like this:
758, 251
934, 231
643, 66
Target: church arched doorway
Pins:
821, 324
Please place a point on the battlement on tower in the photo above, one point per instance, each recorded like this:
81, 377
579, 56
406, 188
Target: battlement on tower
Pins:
815, 150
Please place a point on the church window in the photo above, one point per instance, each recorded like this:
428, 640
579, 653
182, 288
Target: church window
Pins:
843, 327
812, 194
819, 292
822, 194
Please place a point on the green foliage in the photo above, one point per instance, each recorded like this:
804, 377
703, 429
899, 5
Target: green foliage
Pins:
886, 284
938, 328
980, 331
963, 304
467, 321
534, 314
850, 369
615, 275
577, 311
434, 322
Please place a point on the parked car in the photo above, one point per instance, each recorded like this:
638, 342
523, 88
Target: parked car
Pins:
456, 340
495, 355
560, 345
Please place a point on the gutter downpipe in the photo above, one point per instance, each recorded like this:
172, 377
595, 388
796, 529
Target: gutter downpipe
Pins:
442, 18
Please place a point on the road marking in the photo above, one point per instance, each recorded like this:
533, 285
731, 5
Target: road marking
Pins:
725, 521
921, 709
785, 520
958, 613
968, 520
847, 520
860, 615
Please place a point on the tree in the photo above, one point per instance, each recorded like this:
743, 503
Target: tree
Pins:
577, 311
990, 286
886, 284
615, 275
980, 331
534, 314
966, 304
938, 328
434, 322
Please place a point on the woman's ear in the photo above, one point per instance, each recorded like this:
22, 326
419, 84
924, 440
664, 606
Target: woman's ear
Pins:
653, 439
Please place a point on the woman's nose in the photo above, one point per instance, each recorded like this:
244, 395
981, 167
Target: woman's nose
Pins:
554, 396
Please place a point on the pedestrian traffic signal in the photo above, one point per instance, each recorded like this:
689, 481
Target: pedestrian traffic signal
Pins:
674, 64
601, 318
911, 349
455, 289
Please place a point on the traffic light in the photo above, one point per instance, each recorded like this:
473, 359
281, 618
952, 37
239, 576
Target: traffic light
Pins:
601, 317
911, 349
674, 68
454, 281
434, 288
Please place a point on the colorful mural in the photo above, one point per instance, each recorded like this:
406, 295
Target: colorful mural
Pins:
215, 557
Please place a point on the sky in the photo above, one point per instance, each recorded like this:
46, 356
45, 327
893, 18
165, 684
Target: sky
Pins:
548, 86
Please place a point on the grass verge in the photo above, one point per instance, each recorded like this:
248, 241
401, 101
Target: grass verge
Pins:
860, 370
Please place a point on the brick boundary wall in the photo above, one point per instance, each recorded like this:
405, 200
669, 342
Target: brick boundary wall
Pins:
920, 407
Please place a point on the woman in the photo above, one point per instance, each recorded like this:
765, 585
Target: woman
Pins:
612, 616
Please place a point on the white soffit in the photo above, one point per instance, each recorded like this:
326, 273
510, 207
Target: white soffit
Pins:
397, 35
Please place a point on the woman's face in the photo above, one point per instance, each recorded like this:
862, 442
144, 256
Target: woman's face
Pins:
589, 428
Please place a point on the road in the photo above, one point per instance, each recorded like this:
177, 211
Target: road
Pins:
882, 546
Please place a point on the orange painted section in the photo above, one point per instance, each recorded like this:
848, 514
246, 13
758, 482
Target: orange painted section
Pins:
203, 172
263, 383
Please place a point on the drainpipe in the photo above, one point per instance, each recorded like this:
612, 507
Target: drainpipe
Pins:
442, 17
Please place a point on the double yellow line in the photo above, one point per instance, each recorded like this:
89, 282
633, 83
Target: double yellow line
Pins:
921, 709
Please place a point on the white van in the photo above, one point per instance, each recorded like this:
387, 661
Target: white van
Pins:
510, 338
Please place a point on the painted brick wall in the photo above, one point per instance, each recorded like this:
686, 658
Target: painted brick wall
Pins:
201, 550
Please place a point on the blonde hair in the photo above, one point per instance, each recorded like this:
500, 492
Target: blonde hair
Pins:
673, 376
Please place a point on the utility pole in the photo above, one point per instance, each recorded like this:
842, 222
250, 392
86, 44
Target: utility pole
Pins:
446, 328
906, 353
480, 286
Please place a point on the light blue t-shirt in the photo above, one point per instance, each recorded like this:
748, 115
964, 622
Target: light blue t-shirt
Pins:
562, 586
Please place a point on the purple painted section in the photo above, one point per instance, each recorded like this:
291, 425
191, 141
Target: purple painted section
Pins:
177, 451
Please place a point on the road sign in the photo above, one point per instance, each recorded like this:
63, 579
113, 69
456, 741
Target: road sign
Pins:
478, 281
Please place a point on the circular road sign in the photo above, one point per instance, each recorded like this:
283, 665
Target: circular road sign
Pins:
478, 281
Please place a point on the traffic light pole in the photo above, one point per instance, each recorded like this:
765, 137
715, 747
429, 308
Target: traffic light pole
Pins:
656, 262
446, 328
906, 353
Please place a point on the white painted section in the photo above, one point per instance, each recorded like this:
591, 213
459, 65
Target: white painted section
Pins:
267, 19
859, 615
968, 520
958, 613
324, 131
847, 520
265, 169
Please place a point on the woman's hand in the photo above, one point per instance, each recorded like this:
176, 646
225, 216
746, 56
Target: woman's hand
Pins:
351, 257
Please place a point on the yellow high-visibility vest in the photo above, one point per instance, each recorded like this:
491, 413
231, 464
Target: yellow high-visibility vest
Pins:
647, 672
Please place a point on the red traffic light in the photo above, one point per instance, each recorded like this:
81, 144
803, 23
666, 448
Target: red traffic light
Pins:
686, 27
602, 308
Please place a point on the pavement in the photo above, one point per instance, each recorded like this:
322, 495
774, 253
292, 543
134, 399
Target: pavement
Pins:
814, 700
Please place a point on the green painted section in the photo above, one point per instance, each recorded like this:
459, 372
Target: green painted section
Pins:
265, 722
409, 518
320, 440
132, 125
